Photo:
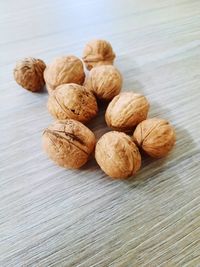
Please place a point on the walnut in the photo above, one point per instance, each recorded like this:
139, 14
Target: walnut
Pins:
63, 70
126, 110
98, 52
29, 73
69, 143
104, 81
117, 155
155, 136
72, 101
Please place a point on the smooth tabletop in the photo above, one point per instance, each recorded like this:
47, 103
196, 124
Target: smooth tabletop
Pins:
50, 216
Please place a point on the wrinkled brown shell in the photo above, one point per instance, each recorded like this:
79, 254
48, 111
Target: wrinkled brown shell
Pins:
63, 70
72, 101
104, 81
98, 52
68, 143
117, 155
29, 73
155, 136
126, 110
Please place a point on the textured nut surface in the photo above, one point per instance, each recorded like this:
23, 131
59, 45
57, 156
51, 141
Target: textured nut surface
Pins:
63, 70
155, 136
69, 143
98, 52
29, 73
72, 101
104, 81
117, 155
126, 110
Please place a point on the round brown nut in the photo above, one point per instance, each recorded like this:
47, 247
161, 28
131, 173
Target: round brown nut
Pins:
63, 70
69, 143
72, 101
155, 136
126, 110
98, 52
29, 73
104, 81
117, 155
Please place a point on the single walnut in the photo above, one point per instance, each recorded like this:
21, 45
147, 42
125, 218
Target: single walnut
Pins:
64, 70
29, 73
155, 136
69, 143
117, 155
104, 81
98, 52
72, 101
126, 110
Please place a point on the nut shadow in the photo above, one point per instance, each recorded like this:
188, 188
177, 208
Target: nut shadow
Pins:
98, 124
43, 91
99, 128
91, 165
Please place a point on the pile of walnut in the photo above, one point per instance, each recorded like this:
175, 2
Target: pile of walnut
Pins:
72, 102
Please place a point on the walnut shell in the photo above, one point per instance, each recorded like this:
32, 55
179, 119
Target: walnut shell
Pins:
69, 143
72, 101
155, 136
104, 81
63, 70
98, 52
126, 110
29, 73
117, 155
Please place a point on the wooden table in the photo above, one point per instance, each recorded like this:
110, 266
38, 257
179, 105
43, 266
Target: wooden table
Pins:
55, 217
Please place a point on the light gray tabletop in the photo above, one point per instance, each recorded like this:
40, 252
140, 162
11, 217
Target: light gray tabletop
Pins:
50, 216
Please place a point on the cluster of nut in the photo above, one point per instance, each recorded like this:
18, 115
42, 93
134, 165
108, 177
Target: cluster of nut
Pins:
117, 153
73, 101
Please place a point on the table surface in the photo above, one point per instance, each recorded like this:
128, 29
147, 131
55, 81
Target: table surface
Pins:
50, 216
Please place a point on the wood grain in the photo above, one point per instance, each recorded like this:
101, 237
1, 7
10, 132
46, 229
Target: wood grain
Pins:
55, 217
